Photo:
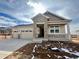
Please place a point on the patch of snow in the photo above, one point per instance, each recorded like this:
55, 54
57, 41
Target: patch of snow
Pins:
66, 57
75, 53
55, 48
32, 57
65, 50
34, 48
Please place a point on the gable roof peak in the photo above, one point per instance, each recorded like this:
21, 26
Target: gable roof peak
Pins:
39, 15
48, 12
54, 14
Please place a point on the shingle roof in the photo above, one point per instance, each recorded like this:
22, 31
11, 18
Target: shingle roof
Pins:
22, 25
53, 14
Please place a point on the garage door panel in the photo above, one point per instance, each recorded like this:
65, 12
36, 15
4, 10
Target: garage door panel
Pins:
27, 35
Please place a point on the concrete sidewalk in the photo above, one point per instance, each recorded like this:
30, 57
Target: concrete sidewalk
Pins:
9, 46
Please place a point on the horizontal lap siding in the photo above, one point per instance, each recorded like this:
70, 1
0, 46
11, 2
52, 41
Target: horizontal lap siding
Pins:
23, 32
27, 35
58, 37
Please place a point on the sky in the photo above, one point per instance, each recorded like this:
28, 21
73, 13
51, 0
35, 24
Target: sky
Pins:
23, 10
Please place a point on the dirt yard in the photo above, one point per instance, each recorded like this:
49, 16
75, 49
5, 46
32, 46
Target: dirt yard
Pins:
3, 37
47, 50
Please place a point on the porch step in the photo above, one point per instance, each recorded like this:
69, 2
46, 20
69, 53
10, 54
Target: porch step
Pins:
39, 40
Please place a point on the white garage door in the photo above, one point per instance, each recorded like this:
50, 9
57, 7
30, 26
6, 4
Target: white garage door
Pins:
27, 35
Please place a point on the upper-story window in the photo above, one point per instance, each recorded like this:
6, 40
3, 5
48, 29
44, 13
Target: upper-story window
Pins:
54, 29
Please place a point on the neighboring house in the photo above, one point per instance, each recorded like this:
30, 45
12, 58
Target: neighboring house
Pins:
5, 33
22, 32
74, 36
47, 26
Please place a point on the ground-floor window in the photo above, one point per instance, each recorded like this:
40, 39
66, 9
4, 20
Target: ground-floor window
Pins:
54, 29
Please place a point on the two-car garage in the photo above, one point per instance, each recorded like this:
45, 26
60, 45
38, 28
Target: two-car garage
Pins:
22, 32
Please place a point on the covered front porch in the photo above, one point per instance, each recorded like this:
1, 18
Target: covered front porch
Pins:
54, 32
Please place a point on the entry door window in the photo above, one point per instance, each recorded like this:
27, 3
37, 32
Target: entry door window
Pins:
54, 29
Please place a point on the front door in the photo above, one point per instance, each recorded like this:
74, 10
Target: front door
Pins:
41, 30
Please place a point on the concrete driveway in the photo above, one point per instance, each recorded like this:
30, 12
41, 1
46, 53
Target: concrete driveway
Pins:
9, 46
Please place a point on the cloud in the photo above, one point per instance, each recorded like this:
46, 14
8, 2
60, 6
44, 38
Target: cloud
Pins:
62, 12
8, 20
23, 17
25, 9
4, 23
37, 7
11, 1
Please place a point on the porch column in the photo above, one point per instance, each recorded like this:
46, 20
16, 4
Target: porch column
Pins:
45, 30
68, 31
34, 30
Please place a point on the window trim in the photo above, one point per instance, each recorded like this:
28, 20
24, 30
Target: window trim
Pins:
54, 28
